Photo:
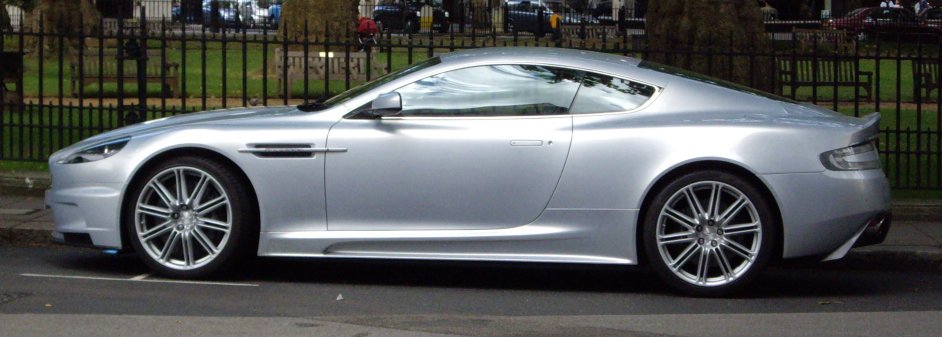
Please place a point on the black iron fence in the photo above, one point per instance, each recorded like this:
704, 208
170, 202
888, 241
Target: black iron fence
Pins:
59, 88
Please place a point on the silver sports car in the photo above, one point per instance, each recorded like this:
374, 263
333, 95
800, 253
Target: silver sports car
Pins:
502, 154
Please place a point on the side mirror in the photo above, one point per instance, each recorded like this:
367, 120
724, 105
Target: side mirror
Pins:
388, 104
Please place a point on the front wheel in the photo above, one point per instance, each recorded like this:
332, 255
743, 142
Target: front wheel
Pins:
709, 233
189, 217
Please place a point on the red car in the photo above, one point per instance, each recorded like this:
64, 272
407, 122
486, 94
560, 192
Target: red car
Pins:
867, 22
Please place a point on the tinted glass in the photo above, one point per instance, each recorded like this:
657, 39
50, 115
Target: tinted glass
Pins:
503, 90
347, 95
600, 93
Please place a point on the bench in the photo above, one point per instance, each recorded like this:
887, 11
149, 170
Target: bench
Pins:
293, 67
823, 38
168, 74
801, 72
925, 77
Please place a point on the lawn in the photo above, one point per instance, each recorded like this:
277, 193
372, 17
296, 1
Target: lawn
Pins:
214, 59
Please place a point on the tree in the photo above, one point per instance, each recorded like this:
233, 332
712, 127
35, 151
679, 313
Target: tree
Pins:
700, 35
68, 17
336, 17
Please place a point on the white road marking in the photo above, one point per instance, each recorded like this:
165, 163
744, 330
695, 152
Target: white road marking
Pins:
95, 278
140, 277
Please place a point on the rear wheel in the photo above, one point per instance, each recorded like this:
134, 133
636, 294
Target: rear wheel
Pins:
190, 217
709, 233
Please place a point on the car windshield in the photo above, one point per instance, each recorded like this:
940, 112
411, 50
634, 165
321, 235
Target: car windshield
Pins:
711, 80
347, 95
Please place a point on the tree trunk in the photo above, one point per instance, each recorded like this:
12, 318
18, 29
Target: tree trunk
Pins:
699, 35
4, 16
336, 18
61, 17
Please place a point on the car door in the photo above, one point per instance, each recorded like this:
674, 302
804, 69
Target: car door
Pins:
474, 148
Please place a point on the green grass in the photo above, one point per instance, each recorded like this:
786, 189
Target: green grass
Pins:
195, 61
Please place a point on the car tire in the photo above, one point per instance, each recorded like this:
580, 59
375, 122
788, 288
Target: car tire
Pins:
190, 217
709, 233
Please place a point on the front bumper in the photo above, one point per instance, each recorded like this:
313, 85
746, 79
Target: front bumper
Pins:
86, 215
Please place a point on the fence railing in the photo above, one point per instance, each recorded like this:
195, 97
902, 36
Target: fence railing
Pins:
62, 87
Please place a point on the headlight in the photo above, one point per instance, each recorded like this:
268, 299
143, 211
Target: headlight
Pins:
418, 14
96, 152
446, 14
858, 157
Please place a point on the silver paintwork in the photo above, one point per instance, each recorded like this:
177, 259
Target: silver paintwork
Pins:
535, 188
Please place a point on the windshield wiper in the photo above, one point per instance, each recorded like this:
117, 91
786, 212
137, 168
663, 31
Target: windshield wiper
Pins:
313, 106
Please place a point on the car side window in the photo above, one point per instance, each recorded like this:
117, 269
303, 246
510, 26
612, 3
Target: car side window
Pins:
601, 93
496, 90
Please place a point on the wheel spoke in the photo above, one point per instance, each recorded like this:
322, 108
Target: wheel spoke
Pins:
154, 211
198, 190
204, 241
187, 245
213, 224
163, 193
680, 218
732, 210
681, 237
156, 231
168, 247
723, 262
715, 190
693, 201
684, 256
180, 178
735, 247
746, 228
703, 266
211, 205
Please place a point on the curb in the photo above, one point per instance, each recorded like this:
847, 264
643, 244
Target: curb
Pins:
26, 237
24, 182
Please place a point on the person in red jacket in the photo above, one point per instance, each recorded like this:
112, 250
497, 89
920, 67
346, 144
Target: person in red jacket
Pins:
366, 31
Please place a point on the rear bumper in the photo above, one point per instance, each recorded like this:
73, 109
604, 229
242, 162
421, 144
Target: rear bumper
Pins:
826, 213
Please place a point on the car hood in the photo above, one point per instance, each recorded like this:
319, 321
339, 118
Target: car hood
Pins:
214, 117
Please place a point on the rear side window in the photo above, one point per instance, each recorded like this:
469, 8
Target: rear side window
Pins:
600, 93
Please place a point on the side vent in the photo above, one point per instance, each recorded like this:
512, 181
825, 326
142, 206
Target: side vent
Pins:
286, 150
280, 150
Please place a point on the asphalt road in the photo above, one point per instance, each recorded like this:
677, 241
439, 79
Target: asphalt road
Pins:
78, 292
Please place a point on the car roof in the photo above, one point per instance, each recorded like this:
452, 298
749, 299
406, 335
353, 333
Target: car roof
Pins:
544, 55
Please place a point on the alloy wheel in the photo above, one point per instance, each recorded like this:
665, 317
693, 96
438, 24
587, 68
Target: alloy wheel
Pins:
709, 233
183, 218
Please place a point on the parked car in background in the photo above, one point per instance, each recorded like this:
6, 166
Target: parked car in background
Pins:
189, 11
274, 13
533, 17
868, 22
228, 13
405, 15
528, 17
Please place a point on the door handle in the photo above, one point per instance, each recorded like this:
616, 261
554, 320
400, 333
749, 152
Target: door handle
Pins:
525, 142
